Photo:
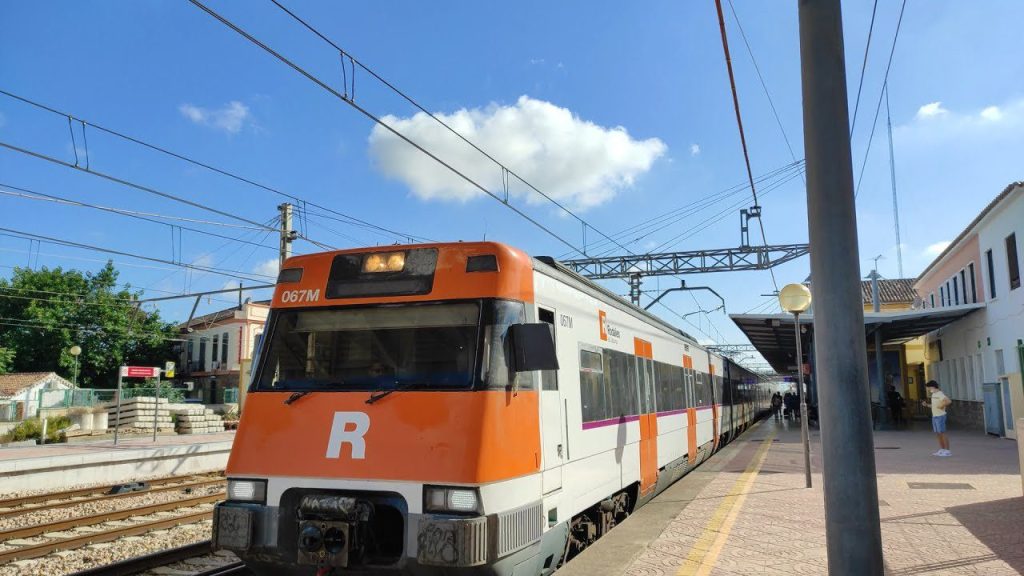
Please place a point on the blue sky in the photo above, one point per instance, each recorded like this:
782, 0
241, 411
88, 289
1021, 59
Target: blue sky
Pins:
546, 87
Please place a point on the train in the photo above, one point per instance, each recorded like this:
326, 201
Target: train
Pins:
461, 408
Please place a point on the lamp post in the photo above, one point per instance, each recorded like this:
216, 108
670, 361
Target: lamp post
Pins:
75, 351
796, 298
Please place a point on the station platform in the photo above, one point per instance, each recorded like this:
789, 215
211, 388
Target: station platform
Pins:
746, 511
66, 465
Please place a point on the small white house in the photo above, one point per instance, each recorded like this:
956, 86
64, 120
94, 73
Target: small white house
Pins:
22, 394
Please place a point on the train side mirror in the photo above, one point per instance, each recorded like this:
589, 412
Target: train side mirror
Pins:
533, 347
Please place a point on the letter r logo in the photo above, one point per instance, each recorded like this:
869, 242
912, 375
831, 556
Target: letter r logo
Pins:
348, 427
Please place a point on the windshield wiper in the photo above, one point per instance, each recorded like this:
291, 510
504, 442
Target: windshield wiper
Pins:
296, 395
382, 393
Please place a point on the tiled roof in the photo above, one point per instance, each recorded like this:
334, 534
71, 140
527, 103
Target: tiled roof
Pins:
11, 384
898, 291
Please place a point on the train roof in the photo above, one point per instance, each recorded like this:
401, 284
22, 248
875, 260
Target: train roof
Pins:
553, 267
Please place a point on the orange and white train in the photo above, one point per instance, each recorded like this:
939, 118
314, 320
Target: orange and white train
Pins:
461, 408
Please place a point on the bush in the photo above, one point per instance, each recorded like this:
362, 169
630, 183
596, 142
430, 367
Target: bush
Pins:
32, 429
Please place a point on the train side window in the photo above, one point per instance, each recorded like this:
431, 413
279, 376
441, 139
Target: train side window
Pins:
620, 383
592, 396
549, 378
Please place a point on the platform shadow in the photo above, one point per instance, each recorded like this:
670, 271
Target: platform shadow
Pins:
996, 524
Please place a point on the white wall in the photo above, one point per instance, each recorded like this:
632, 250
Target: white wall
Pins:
1004, 313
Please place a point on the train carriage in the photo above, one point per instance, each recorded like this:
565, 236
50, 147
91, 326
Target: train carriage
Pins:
461, 409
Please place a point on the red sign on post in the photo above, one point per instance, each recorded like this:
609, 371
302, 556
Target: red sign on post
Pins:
139, 372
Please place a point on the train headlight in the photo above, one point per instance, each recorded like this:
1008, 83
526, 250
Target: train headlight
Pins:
451, 499
247, 490
384, 262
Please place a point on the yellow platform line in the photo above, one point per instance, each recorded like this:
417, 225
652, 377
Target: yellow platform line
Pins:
704, 553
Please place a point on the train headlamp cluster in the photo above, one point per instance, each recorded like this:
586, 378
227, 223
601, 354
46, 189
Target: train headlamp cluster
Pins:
451, 499
245, 490
384, 262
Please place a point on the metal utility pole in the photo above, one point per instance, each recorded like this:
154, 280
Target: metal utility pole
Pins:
853, 531
287, 234
876, 305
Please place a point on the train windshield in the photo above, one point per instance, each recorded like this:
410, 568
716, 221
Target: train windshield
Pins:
409, 347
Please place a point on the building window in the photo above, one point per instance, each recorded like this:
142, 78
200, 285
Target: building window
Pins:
224, 348
991, 274
974, 286
956, 292
942, 295
215, 348
932, 298
1011, 260
964, 287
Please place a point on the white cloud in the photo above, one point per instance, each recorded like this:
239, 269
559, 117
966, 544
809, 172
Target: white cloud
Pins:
267, 268
694, 149
572, 160
934, 250
204, 260
992, 113
535, 61
231, 118
935, 126
931, 110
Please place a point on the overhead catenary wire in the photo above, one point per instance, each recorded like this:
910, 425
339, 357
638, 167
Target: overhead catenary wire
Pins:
58, 241
377, 120
137, 186
863, 67
26, 193
162, 150
506, 171
739, 124
760, 77
878, 107
651, 226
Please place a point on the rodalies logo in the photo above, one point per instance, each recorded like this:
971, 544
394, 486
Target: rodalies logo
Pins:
609, 332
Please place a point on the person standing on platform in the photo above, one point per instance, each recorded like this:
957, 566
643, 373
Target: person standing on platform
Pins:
777, 405
939, 403
895, 400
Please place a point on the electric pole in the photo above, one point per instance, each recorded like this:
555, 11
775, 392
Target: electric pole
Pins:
852, 528
287, 234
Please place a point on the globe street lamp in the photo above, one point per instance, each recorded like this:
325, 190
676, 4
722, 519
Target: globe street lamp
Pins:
796, 298
75, 351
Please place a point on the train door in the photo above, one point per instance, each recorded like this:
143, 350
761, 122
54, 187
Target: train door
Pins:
691, 410
648, 417
552, 416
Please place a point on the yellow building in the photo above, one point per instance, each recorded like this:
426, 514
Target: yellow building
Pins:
898, 295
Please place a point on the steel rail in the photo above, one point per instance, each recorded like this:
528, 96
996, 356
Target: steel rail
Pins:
107, 497
12, 502
233, 569
102, 517
27, 552
146, 562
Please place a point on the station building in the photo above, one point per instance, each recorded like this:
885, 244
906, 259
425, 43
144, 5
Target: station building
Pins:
218, 349
978, 360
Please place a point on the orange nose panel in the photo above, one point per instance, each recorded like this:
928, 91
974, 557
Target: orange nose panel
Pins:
461, 437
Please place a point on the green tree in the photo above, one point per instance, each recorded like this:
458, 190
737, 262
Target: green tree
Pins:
6, 360
45, 312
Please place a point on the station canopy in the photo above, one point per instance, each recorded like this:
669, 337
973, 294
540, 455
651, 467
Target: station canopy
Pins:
772, 334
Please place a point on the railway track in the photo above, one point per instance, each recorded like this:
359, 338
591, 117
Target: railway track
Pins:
14, 506
22, 541
65, 501
165, 558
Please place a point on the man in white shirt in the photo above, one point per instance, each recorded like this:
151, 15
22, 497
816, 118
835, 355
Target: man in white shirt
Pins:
938, 403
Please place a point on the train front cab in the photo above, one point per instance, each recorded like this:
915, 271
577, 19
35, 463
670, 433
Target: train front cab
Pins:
392, 425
